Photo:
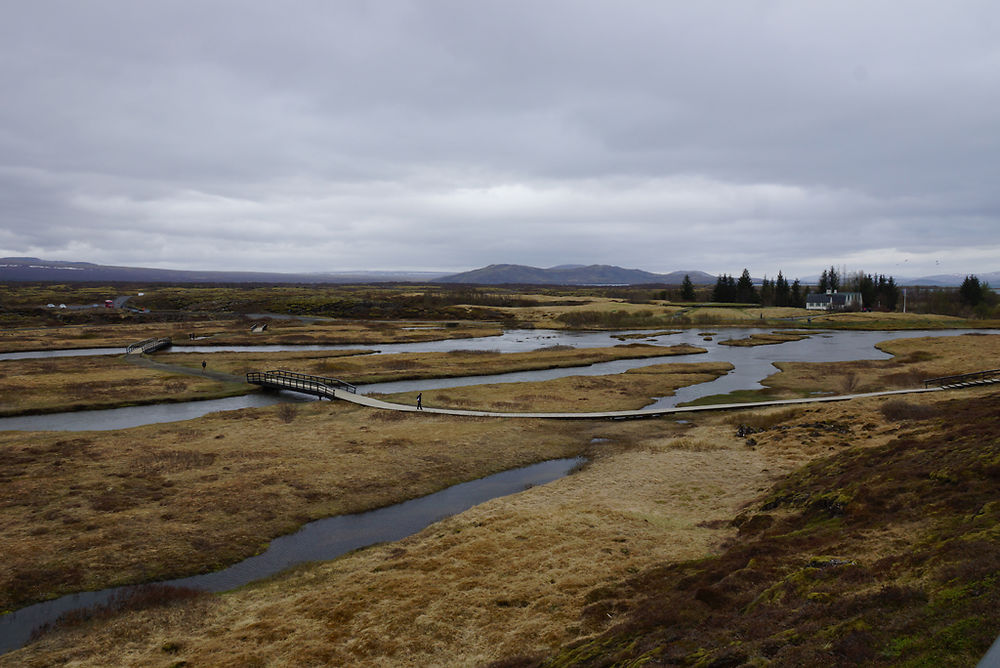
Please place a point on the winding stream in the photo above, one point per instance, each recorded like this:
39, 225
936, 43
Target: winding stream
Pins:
321, 540
752, 365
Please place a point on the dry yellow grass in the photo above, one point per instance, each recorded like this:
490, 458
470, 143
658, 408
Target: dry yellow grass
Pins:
507, 577
631, 390
378, 368
77, 383
764, 339
879, 320
234, 332
548, 315
86, 510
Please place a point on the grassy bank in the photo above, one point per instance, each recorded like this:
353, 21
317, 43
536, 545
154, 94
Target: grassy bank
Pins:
412, 366
88, 510
527, 573
914, 360
235, 331
85, 383
872, 556
627, 391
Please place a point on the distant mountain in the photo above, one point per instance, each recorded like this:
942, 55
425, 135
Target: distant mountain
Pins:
33, 269
952, 280
595, 274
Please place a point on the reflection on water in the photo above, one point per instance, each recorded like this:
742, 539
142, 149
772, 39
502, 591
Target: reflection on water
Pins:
321, 540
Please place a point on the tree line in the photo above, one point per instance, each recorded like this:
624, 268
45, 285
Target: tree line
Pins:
879, 291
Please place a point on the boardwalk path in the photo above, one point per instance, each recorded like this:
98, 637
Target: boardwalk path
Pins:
612, 415
362, 400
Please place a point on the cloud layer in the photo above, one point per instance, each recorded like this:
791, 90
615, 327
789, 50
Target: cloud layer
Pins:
446, 135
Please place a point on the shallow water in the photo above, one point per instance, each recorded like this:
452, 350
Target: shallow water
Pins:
752, 365
321, 540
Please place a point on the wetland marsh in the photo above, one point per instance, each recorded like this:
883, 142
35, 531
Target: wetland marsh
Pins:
164, 500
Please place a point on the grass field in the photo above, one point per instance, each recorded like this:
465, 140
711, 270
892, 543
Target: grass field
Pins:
235, 332
524, 574
105, 381
554, 570
359, 369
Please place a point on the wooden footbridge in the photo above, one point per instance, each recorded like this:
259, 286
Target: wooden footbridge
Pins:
147, 346
965, 380
333, 388
300, 382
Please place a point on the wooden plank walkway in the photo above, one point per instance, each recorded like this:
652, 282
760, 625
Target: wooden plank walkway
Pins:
363, 400
333, 388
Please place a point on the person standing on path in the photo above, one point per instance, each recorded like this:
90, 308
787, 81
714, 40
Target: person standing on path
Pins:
203, 364
420, 397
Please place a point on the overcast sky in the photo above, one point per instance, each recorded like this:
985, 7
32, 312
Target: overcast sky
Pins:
311, 135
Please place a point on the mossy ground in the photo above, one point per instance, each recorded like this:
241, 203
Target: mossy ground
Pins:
885, 555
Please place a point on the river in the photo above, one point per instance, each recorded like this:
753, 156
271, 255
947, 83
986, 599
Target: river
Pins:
321, 540
751, 366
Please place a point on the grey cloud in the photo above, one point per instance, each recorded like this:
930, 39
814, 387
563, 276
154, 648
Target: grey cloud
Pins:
425, 135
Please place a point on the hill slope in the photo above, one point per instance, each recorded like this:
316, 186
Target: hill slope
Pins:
873, 556
34, 269
595, 274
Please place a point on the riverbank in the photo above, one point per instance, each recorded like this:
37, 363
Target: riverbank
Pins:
93, 509
42, 386
234, 331
519, 575
361, 370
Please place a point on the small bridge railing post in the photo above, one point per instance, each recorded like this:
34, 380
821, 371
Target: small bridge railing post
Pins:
962, 378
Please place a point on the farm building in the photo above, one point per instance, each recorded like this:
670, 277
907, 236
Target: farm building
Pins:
833, 301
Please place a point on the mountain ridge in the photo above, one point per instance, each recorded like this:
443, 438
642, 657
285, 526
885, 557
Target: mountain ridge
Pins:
22, 269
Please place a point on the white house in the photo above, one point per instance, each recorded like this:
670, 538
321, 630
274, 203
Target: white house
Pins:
833, 301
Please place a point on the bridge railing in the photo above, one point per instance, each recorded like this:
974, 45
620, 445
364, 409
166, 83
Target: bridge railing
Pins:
963, 378
302, 381
147, 345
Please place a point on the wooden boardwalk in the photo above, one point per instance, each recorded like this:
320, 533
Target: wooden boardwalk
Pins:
332, 388
613, 415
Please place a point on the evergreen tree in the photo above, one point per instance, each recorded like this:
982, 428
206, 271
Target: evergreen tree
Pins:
865, 284
971, 292
824, 283
719, 291
745, 292
767, 292
781, 291
890, 294
795, 296
687, 289
834, 278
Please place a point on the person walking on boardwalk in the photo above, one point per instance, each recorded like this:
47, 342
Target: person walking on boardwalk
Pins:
203, 363
420, 397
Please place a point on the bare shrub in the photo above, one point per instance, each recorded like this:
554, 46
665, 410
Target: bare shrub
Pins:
849, 383
901, 409
287, 412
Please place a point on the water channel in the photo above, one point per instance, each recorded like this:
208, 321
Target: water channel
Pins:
752, 365
321, 540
